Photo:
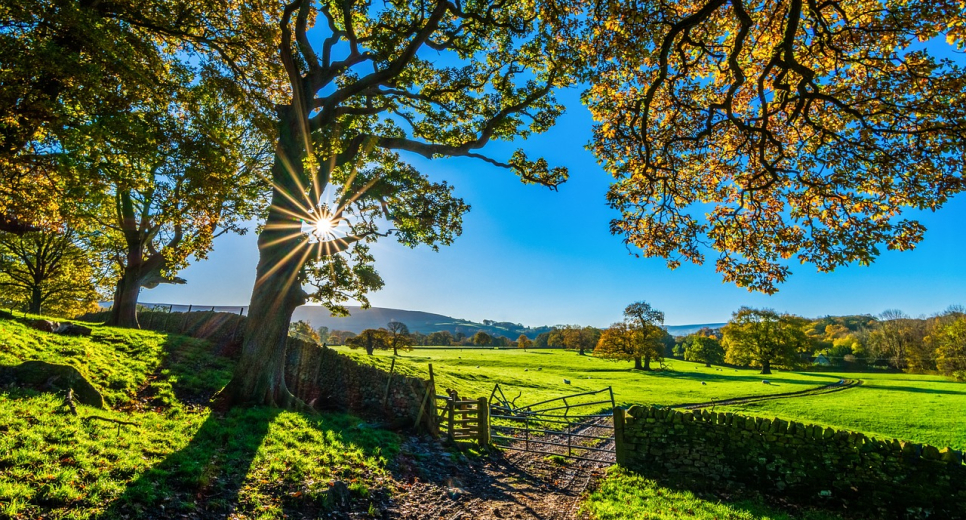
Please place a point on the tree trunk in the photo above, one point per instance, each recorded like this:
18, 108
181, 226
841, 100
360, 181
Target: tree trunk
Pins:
36, 299
124, 313
581, 351
647, 363
637, 363
259, 376
766, 367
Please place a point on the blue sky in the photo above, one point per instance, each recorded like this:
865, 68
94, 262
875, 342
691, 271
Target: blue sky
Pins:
538, 257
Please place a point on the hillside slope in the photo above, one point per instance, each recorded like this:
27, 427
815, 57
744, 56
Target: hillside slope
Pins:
417, 321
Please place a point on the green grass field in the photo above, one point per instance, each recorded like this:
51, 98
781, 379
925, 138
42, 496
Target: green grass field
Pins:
179, 458
925, 409
623, 495
517, 371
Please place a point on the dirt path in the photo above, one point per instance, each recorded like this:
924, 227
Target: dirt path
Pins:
501, 485
842, 384
440, 483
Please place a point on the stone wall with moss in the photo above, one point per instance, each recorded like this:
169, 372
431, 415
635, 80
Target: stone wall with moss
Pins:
807, 464
328, 380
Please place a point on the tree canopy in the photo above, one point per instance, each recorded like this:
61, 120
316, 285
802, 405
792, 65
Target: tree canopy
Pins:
68, 64
399, 337
764, 338
704, 349
647, 320
370, 339
48, 272
622, 342
776, 131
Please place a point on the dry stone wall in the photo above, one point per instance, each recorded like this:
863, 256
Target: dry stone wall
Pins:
328, 380
808, 464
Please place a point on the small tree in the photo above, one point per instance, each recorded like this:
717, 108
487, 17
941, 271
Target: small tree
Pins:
303, 331
481, 339
399, 337
323, 333
370, 339
950, 341
647, 320
47, 272
763, 337
524, 342
621, 342
704, 350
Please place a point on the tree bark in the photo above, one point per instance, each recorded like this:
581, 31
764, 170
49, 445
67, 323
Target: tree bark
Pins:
124, 312
259, 376
637, 363
36, 299
766, 367
647, 363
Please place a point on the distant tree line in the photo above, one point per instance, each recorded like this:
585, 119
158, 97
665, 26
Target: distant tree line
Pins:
761, 338
892, 340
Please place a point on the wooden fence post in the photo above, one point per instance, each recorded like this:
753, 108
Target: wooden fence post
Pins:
385, 399
483, 414
450, 410
184, 319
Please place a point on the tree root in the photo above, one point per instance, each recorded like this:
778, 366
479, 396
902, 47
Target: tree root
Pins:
69, 402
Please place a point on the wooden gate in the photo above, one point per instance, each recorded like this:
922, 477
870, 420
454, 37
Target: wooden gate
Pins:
463, 419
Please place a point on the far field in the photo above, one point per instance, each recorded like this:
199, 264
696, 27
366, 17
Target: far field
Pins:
926, 409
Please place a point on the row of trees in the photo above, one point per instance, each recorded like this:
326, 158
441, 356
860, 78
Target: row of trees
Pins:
765, 338
753, 337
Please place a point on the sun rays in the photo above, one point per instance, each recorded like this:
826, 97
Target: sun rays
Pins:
314, 225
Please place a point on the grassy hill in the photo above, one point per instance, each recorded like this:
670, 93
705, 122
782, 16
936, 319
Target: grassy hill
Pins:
178, 458
360, 319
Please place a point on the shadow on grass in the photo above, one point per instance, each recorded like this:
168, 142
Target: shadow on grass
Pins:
730, 377
252, 458
207, 473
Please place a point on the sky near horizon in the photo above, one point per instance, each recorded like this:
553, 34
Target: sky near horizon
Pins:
537, 257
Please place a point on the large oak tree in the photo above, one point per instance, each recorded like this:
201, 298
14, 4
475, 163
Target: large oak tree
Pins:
367, 83
764, 338
776, 131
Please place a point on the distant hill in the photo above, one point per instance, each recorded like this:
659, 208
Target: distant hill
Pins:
417, 321
684, 330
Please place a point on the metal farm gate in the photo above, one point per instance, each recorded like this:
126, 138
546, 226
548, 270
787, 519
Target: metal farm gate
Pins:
577, 426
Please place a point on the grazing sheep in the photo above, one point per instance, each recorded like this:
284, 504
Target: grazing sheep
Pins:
765, 382
703, 383
566, 381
